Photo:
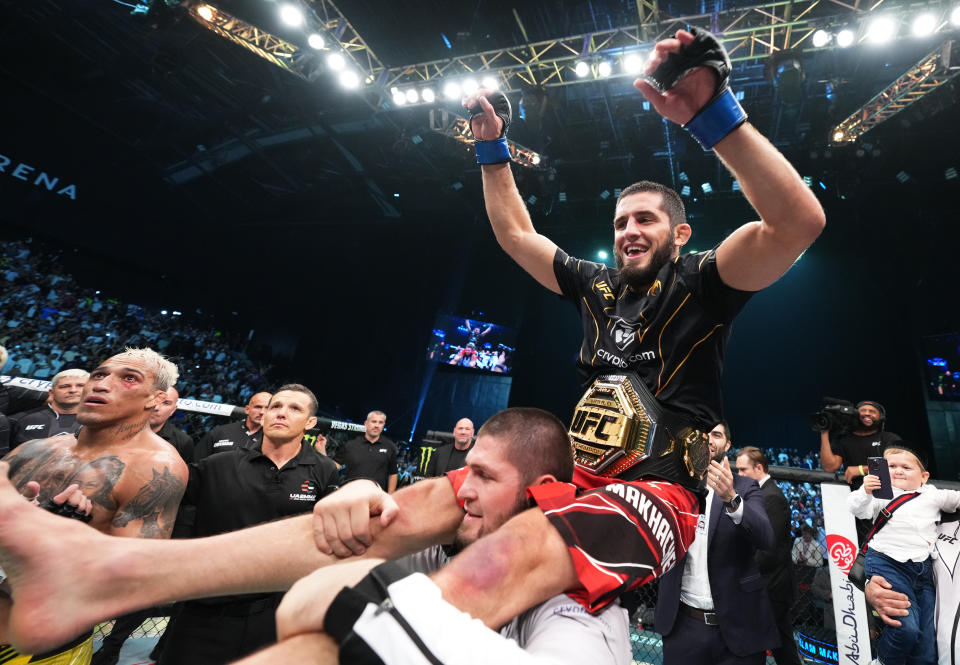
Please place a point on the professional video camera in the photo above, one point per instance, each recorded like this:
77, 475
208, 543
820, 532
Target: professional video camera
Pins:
836, 415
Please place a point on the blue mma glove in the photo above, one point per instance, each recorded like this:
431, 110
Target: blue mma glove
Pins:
722, 114
495, 151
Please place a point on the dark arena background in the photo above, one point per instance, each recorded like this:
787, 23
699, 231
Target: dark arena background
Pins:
310, 209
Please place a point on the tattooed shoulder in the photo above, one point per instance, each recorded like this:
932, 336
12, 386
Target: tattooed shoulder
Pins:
154, 505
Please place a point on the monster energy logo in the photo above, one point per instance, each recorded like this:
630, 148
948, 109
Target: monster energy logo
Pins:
426, 453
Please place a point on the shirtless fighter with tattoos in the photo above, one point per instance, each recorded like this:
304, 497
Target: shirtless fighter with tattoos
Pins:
133, 478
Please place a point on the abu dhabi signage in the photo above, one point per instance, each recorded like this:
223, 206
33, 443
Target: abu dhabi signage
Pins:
849, 605
36, 176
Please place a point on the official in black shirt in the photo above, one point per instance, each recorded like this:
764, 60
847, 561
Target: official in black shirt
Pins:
241, 488
371, 455
452, 456
243, 434
59, 416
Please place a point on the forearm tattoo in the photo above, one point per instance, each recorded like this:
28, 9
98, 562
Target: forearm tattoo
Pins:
155, 505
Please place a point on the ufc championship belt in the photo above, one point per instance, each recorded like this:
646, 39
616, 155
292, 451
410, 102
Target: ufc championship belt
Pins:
619, 430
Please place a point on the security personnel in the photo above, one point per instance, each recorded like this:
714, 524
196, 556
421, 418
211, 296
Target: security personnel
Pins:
371, 456
59, 415
281, 477
245, 433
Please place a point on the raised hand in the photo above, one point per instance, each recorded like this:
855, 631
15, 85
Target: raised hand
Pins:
690, 94
720, 477
488, 125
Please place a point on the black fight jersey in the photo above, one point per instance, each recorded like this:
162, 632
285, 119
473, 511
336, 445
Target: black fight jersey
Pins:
673, 335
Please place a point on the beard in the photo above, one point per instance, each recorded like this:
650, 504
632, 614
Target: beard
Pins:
462, 540
638, 278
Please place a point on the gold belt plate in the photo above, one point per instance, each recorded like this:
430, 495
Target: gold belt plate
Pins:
610, 425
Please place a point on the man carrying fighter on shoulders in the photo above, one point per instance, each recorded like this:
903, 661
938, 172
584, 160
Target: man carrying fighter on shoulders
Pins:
687, 301
661, 315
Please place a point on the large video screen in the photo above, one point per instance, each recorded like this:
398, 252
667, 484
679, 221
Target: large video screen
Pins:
941, 360
472, 343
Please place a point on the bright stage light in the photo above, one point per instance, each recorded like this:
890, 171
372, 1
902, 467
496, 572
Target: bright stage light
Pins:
602, 255
452, 90
604, 69
535, 159
924, 25
470, 86
881, 30
838, 136
821, 38
399, 98
581, 69
349, 79
205, 12
633, 63
490, 83
845, 38
955, 15
291, 15
429, 96
336, 62
315, 41
412, 96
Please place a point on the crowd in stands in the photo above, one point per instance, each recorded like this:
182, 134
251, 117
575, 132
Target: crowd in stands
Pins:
49, 323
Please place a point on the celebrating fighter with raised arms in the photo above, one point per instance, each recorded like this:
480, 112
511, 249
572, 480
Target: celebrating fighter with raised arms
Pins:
662, 317
638, 517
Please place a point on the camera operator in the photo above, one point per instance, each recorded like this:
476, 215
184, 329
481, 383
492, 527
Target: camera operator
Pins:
843, 442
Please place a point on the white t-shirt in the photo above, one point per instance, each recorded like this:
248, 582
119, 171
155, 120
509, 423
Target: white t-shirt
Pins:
911, 531
559, 631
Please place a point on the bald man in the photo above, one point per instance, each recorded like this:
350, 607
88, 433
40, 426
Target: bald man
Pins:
453, 455
244, 434
161, 426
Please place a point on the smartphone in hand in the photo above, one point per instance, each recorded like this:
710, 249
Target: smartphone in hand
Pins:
878, 467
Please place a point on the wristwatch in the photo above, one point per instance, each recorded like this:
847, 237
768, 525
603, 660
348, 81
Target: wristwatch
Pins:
733, 503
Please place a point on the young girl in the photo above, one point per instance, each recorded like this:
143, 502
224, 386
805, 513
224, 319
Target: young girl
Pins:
900, 552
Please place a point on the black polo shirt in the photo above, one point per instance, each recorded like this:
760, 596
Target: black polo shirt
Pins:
43, 423
362, 459
241, 488
178, 439
227, 437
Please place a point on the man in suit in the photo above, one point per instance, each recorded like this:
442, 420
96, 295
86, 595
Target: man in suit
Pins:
714, 609
452, 456
775, 565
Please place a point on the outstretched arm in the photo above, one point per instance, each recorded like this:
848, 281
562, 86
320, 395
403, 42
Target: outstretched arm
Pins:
522, 563
513, 228
108, 576
754, 256
506, 210
757, 254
